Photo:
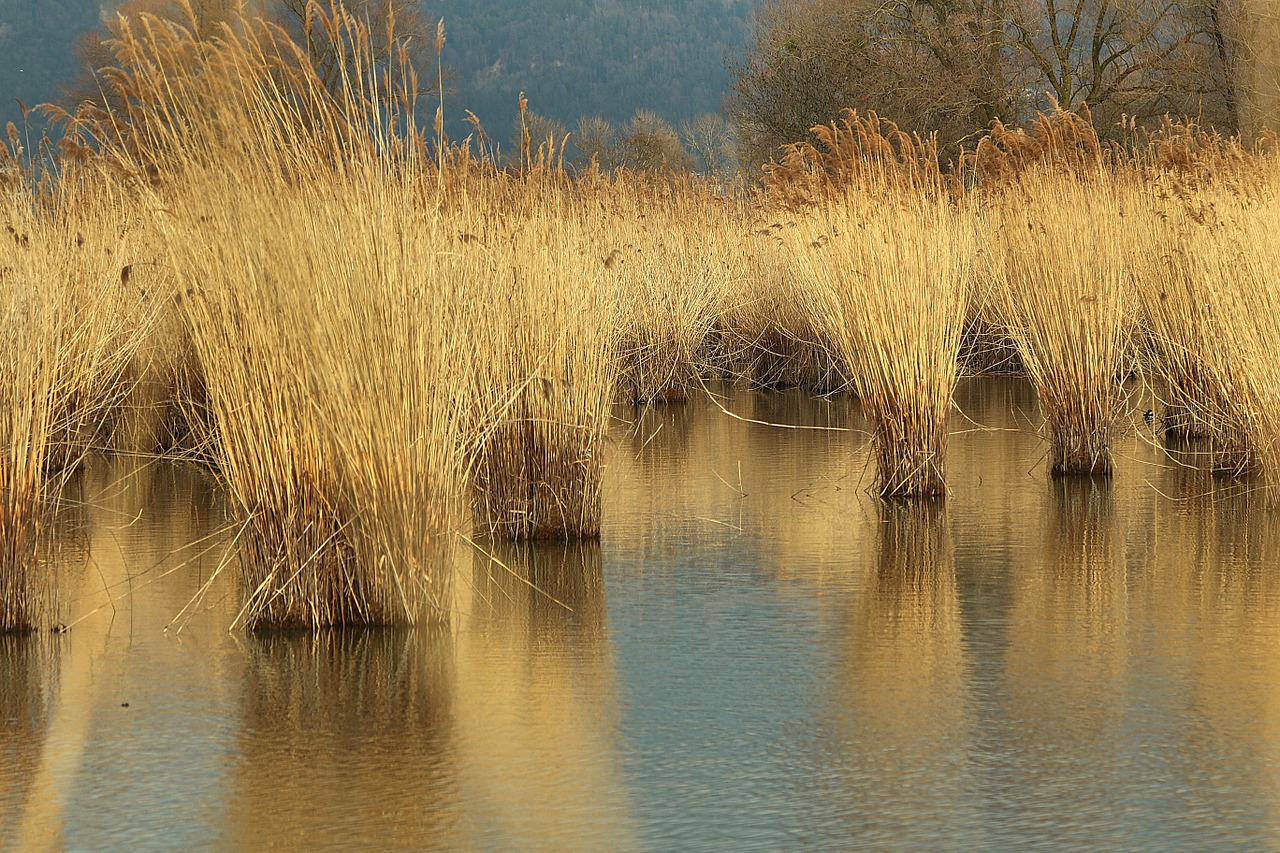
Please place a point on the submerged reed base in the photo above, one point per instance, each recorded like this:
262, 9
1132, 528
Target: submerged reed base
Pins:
24, 585
538, 475
911, 456
1080, 439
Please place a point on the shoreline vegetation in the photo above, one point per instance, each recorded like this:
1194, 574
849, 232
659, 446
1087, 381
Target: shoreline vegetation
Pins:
384, 344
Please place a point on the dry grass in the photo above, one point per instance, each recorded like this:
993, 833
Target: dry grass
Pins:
72, 319
1226, 273
1063, 295
675, 265
322, 308
544, 383
888, 283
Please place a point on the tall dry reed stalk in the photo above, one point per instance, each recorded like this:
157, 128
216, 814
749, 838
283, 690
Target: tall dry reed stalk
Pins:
670, 289
321, 305
1062, 293
1229, 269
1182, 341
888, 281
72, 319
542, 393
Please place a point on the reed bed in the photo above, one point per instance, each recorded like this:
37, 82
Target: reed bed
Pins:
1227, 267
380, 341
888, 282
542, 392
1062, 292
324, 323
72, 320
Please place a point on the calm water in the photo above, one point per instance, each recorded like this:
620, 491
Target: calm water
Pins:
756, 656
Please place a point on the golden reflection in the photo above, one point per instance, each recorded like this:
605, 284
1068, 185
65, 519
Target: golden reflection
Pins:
28, 689
536, 702
905, 718
344, 740
1067, 658
121, 528
1216, 587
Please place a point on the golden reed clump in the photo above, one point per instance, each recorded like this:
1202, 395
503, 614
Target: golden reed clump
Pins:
323, 314
888, 280
1063, 295
73, 317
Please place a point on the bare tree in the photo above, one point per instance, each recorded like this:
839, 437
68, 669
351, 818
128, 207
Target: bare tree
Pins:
649, 143
1135, 58
951, 66
595, 140
709, 138
930, 65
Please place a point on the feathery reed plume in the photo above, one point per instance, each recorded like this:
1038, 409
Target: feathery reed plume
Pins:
856, 151
1062, 296
889, 282
1059, 142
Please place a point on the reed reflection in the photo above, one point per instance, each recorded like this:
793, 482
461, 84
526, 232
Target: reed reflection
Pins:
536, 702
1217, 594
1067, 660
28, 690
905, 720
346, 739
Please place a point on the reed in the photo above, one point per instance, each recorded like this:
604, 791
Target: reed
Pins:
674, 270
1234, 264
321, 309
1182, 341
888, 281
540, 406
1062, 294
72, 320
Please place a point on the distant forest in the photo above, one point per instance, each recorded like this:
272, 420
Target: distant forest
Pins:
571, 58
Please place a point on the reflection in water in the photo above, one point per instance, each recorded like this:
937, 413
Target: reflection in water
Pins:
345, 739
903, 713
28, 685
1218, 596
1065, 665
535, 704
782, 662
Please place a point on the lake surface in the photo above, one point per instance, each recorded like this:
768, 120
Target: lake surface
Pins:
757, 655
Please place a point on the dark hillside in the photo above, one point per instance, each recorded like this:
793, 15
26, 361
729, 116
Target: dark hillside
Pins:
571, 57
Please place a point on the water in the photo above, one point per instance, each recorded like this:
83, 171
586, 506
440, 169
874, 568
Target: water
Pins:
757, 655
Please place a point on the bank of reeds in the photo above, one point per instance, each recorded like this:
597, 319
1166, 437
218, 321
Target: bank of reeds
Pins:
888, 280
543, 387
1061, 289
72, 319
